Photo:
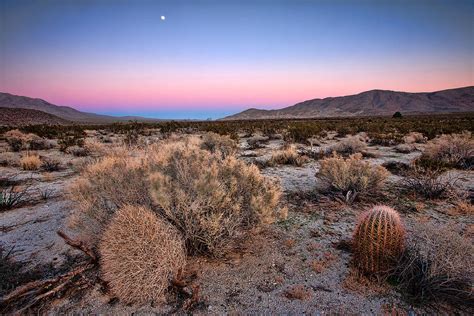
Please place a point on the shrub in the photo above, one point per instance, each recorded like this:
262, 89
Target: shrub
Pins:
287, 156
437, 267
221, 144
257, 142
50, 165
30, 162
414, 137
378, 241
397, 115
456, 150
16, 139
428, 182
8, 159
348, 146
352, 175
212, 200
104, 187
11, 195
139, 255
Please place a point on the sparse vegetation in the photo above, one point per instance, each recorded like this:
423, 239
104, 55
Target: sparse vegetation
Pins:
140, 254
221, 144
348, 146
288, 155
455, 150
11, 194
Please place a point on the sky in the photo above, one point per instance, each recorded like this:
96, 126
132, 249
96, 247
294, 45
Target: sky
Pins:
208, 59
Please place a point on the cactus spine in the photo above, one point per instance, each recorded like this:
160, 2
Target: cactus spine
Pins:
379, 239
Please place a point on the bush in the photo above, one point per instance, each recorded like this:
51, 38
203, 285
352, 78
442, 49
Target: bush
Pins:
378, 241
257, 142
212, 200
139, 255
103, 188
348, 146
50, 165
437, 267
16, 139
8, 159
30, 162
352, 175
11, 195
287, 156
414, 137
221, 144
397, 115
77, 151
428, 182
456, 150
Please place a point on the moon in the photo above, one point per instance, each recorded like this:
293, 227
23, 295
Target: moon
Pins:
163, 18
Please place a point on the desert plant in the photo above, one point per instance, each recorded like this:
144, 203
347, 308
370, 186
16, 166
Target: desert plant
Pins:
456, 150
104, 187
378, 241
348, 146
404, 148
140, 254
11, 195
288, 155
256, 142
51, 164
414, 137
30, 162
428, 182
437, 267
211, 199
217, 143
8, 159
351, 175
16, 139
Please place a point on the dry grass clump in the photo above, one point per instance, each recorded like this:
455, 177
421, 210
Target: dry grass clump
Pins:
214, 142
211, 199
298, 292
378, 241
19, 140
256, 142
352, 176
139, 255
287, 156
414, 137
30, 162
437, 267
104, 187
456, 150
8, 159
348, 146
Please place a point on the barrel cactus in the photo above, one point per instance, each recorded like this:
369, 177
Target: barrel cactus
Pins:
379, 240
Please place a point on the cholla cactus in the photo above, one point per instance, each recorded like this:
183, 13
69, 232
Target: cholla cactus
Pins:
378, 240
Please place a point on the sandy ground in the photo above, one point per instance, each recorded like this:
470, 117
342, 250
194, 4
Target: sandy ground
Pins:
297, 255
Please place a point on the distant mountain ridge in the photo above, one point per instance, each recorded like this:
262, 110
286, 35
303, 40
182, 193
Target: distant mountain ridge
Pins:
22, 117
369, 103
8, 100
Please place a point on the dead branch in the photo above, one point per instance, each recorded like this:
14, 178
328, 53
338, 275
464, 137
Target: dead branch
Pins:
78, 245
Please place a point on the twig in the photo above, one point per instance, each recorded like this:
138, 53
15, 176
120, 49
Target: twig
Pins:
78, 245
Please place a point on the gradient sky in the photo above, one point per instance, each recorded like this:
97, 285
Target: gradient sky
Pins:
213, 58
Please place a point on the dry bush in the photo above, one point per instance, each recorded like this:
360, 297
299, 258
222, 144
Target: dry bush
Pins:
94, 148
287, 156
352, 175
414, 137
298, 292
16, 139
405, 148
429, 183
11, 194
378, 241
348, 146
51, 164
104, 187
455, 150
462, 208
139, 255
438, 267
77, 151
212, 200
30, 162
257, 142
216, 143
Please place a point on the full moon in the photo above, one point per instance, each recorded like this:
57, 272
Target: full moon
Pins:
163, 18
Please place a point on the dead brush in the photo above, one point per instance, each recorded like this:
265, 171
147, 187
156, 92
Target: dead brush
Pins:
430, 183
352, 176
30, 162
437, 268
348, 146
288, 155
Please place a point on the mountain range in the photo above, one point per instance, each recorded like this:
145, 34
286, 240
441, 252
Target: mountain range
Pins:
371, 103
